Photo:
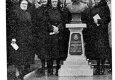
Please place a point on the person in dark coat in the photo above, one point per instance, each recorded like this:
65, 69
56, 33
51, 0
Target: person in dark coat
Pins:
10, 5
21, 39
67, 17
42, 31
56, 37
97, 43
88, 32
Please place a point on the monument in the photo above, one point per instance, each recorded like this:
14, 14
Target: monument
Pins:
76, 63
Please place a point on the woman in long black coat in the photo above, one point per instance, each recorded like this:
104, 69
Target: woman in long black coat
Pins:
57, 25
42, 31
20, 33
97, 46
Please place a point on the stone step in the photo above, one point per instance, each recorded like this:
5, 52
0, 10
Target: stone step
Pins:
75, 72
76, 66
77, 78
78, 62
76, 59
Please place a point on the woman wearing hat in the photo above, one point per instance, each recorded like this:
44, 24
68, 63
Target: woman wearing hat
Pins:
56, 23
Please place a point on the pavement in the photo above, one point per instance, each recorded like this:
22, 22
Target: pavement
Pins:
36, 74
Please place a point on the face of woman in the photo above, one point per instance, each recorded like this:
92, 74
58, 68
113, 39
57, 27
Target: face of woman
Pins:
54, 3
44, 2
24, 5
97, 1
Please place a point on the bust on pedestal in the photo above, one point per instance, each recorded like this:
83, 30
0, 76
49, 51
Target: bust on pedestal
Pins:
76, 63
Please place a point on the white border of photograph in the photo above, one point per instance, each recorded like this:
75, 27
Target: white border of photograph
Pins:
3, 63
113, 38
3, 58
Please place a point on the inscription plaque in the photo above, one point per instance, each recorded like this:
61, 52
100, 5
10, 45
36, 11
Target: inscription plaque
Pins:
75, 44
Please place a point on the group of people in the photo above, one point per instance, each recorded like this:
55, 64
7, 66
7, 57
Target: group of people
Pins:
41, 30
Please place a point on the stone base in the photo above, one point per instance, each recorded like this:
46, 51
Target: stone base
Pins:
76, 78
76, 66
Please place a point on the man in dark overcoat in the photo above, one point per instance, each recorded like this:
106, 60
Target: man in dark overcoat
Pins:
97, 46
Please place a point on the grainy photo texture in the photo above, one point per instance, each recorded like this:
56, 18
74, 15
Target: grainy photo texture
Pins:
59, 40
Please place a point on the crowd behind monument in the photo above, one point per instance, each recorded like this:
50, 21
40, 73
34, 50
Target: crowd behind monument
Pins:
38, 27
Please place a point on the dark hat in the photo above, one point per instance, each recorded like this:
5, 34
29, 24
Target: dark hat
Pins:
22, 0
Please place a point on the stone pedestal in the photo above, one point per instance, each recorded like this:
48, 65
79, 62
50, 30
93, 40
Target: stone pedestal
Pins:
76, 63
